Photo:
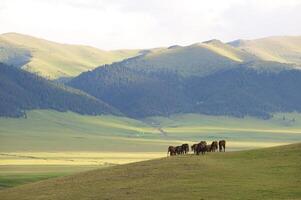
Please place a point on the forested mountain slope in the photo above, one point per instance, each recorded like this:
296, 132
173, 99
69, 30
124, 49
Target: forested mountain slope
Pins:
255, 88
21, 90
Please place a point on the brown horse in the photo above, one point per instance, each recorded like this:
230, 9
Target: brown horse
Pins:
208, 148
193, 148
171, 150
185, 148
222, 145
201, 148
214, 146
179, 150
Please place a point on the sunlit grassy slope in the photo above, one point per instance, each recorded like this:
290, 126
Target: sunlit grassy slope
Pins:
241, 133
13, 175
285, 49
272, 173
50, 143
56, 131
54, 60
198, 59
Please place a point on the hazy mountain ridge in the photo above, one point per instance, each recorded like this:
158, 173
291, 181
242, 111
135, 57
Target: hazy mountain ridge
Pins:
55, 60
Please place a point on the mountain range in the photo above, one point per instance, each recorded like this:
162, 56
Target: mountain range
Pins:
240, 78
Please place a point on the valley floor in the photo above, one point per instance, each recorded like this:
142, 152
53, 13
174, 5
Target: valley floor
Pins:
49, 144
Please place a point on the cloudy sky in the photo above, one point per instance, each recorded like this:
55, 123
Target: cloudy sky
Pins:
114, 24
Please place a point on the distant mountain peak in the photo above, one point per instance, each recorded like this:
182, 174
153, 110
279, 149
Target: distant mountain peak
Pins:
213, 41
237, 43
174, 47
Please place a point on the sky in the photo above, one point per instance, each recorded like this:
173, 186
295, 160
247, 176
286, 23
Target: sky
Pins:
130, 24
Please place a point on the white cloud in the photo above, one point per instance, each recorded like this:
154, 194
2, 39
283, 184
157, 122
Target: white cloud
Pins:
112, 24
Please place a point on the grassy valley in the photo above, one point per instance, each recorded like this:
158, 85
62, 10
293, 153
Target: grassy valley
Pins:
271, 173
50, 143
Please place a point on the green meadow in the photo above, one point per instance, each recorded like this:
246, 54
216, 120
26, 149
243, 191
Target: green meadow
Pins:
49, 143
269, 173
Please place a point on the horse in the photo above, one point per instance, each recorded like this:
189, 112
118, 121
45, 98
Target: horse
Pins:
201, 148
171, 150
179, 150
208, 148
214, 146
185, 148
193, 148
222, 145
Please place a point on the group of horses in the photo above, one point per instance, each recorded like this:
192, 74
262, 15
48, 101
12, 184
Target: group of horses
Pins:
199, 148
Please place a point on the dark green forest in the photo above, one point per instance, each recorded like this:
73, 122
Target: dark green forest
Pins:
247, 89
21, 91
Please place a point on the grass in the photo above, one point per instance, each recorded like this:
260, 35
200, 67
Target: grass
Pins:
280, 49
242, 133
272, 173
189, 60
13, 175
71, 141
53, 131
54, 60
24, 167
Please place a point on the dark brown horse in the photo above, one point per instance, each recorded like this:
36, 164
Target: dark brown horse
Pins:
171, 150
179, 150
214, 146
208, 148
222, 145
193, 148
185, 148
201, 148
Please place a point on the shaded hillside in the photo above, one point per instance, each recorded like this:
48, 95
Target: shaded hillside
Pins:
54, 60
22, 91
284, 49
254, 88
272, 173
13, 55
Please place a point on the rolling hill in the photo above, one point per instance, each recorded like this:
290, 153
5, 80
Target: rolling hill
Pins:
54, 60
154, 83
142, 89
283, 49
21, 91
199, 59
271, 173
